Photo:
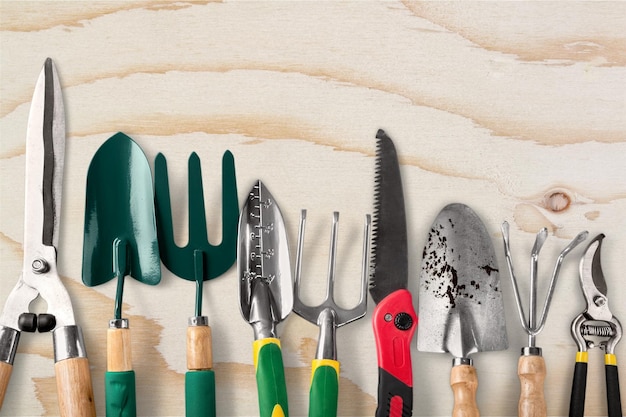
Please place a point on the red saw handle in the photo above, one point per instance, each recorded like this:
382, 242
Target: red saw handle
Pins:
394, 322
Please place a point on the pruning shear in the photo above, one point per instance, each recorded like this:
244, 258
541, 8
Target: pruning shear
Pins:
595, 327
45, 143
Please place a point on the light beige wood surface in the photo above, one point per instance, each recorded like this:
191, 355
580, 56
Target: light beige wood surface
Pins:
517, 109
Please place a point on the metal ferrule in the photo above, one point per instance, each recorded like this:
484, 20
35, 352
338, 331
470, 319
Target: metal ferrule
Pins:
9, 339
531, 351
68, 343
327, 342
462, 361
198, 321
118, 324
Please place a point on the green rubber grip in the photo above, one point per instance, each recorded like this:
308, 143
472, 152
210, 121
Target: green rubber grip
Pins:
324, 393
200, 393
119, 390
270, 378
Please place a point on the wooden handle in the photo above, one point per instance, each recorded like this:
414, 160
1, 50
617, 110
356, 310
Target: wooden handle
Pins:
119, 358
531, 370
464, 383
74, 389
199, 354
5, 375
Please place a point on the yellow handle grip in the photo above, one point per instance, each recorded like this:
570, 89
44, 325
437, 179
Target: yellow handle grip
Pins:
5, 375
74, 389
464, 383
531, 370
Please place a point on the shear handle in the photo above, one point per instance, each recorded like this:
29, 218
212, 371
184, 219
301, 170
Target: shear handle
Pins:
612, 386
74, 387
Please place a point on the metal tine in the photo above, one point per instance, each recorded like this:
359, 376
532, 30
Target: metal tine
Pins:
340, 316
532, 327
197, 211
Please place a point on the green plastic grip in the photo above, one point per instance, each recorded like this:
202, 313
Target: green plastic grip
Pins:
324, 392
119, 389
270, 378
200, 393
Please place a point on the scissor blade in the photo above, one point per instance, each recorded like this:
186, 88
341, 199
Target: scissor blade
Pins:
45, 148
592, 277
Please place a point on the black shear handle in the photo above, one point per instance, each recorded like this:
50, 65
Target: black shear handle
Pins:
612, 386
579, 385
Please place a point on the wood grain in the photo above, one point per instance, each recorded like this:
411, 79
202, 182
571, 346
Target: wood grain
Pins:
5, 376
516, 109
532, 374
119, 352
74, 388
199, 353
464, 383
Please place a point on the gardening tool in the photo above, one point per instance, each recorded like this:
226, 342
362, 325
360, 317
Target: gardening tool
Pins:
531, 367
120, 240
595, 327
45, 151
394, 318
460, 299
198, 261
324, 391
265, 292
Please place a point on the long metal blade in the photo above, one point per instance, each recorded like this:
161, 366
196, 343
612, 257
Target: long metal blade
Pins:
389, 268
460, 298
45, 147
45, 151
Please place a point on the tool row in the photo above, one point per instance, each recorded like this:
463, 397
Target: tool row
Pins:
460, 296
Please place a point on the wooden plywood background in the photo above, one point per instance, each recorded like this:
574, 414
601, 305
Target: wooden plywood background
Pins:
514, 108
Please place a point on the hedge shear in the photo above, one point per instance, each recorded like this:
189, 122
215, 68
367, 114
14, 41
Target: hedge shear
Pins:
45, 143
595, 327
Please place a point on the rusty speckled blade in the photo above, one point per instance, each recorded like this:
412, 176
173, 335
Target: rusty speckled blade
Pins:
460, 298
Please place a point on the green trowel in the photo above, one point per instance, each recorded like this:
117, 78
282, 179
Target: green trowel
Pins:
198, 261
120, 240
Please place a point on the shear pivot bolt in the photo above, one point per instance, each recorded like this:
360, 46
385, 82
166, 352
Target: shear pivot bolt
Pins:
599, 301
40, 266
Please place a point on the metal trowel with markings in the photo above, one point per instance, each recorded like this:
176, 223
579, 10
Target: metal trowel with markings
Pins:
460, 299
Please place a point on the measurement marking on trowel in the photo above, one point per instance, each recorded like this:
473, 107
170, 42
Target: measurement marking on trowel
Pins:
260, 254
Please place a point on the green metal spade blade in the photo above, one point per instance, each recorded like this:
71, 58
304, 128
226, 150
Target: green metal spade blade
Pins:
120, 230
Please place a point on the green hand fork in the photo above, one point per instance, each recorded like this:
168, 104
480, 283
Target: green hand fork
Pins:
120, 239
198, 261
324, 392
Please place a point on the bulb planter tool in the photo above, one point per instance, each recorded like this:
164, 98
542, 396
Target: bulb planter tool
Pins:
324, 391
531, 367
265, 292
198, 261
120, 240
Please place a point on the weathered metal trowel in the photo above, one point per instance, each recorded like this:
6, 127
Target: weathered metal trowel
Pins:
460, 299
198, 261
120, 239
265, 292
